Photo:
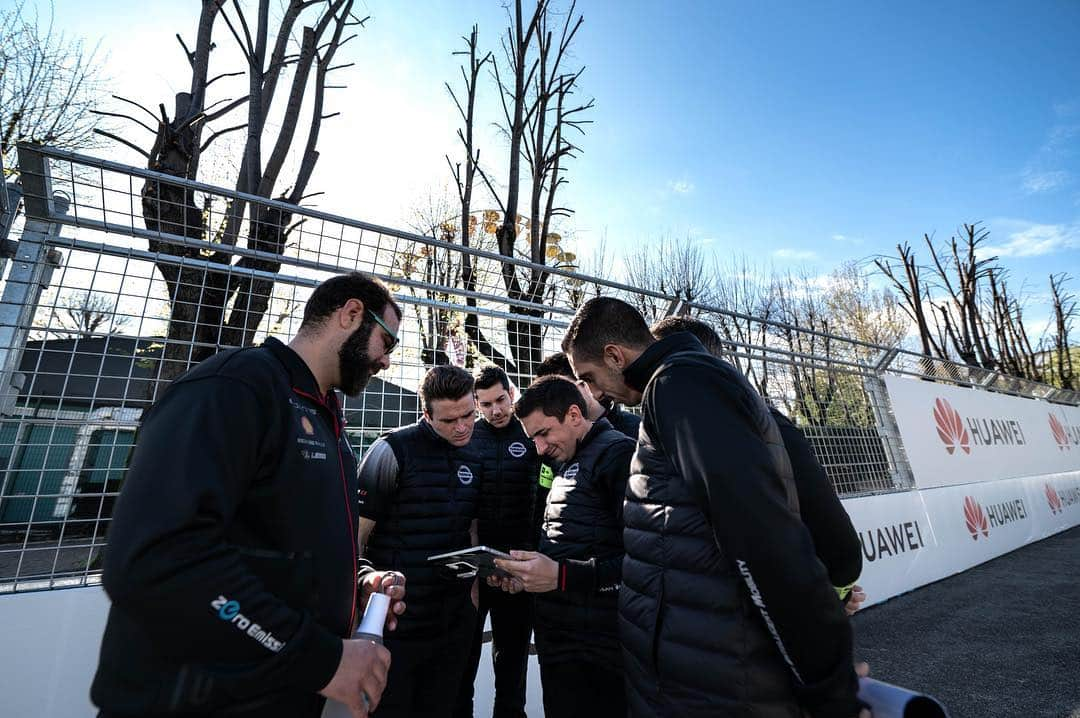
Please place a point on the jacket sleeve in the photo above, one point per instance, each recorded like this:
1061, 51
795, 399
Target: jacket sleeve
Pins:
602, 574
835, 540
714, 445
169, 567
378, 479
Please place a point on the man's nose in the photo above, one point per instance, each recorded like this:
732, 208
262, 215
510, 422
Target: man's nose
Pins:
384, 361
541, 445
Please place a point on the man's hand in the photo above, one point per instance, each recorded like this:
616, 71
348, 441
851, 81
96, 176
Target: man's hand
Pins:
392, 584
360, 678
536, 572
506, 583
855, 601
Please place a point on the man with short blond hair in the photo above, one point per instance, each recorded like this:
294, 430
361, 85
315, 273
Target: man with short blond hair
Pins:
419, 487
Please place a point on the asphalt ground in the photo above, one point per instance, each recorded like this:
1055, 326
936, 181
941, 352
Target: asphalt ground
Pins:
1001, 639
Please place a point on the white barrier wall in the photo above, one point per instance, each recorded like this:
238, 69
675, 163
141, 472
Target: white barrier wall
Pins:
917, 537
958, 435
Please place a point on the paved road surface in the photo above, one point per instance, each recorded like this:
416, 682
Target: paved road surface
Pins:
1002, 639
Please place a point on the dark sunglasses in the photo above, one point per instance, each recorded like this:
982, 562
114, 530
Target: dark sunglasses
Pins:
390, 345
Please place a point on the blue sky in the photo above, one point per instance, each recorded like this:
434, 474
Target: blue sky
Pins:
797, 134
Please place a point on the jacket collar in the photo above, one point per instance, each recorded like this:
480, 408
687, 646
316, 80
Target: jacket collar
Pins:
641, 370
300, 376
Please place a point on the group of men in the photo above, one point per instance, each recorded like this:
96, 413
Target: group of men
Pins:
694, 561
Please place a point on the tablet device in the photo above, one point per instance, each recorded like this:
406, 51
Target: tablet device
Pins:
471, 562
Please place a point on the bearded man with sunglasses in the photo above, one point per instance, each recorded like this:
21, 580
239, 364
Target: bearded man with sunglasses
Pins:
232, 560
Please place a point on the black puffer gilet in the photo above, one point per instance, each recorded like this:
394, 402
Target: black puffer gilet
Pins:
438, 489
694, 644
579, 524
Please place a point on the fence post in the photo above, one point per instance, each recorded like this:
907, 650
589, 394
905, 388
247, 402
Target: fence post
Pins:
874, 385
31, 271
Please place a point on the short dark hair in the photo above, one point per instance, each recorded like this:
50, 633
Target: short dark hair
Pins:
553, 395
705, 334
445, 382
602, 321
332, 295
555, 365
489, 376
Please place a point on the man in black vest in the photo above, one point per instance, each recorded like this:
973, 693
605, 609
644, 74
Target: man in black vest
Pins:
419, 487
231, 564
577, 571
725, 607
621, 419
504, 522
835, 540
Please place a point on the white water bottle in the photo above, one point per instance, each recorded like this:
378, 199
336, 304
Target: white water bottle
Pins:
370, 629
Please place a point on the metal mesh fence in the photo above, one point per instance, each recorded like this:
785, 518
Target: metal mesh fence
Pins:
122, 278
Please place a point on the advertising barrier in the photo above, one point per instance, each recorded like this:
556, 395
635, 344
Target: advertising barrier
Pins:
957, 435
917, 537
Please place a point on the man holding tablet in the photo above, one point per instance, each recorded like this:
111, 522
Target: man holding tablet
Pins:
504, 522
578, 569
418, 493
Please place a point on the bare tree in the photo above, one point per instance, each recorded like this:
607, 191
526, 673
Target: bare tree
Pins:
744, 291
862, 312
674, 267
915, 295
1065, 313
48, 84
199, 322
539, 115
89, 313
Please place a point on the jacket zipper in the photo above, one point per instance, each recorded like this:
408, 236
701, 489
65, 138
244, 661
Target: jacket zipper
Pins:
345, 493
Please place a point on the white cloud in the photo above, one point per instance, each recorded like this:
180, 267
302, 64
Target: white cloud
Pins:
801, 255
681, 186
1038, 182
846, 239
1037, 240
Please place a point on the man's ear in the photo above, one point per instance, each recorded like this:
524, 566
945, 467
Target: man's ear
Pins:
614, 357
351, 315
427, 416
574, 415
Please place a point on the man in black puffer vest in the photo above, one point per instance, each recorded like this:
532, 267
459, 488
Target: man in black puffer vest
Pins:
725, 608
419, 487
835, 540
577, 572
504, 522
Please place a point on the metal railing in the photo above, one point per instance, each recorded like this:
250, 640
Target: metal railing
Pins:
103, 259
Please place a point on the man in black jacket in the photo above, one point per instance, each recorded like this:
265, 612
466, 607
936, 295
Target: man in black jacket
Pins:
835, 540
419, 487
504, 522
576, 573
231, 564
724, 606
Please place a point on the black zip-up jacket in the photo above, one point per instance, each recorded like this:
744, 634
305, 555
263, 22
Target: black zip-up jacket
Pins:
835, 540
709, 443
231, 563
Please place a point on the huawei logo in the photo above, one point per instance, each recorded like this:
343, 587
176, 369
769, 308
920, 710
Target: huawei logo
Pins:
1053, 499
1060, 435
950, 427
975, 518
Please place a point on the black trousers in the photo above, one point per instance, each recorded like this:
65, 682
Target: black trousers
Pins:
583, 689
426, 670
511, 627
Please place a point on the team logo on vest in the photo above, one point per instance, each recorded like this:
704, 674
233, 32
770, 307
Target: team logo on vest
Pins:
572, 471
517, 449
950, 427
465, 475
309, 429
1066, 435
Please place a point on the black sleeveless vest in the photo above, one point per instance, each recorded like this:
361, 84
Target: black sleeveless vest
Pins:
435, 503
578, 524
509, 488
